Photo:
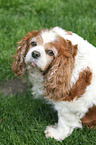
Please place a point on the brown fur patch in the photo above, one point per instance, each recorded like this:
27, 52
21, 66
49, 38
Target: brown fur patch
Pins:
38, 40
90, 117
18, 65
57, 79
79, 87
70, 33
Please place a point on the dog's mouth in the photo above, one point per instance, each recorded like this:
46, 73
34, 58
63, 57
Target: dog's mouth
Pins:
33, 64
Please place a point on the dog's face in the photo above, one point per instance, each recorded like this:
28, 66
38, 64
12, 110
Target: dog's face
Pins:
37, 49
42, 50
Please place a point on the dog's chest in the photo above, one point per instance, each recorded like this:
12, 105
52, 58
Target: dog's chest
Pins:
36, 79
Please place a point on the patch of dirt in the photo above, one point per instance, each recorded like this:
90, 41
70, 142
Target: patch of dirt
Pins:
18, 85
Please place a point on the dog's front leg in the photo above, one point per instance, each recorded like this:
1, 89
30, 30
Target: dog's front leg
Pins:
66, 123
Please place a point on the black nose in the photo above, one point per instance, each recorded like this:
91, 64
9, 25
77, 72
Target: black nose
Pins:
35, 54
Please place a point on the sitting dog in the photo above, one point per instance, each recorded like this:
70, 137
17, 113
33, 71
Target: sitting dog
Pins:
62, 67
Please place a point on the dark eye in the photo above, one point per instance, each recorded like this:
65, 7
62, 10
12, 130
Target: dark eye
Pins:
50, 52
33, 43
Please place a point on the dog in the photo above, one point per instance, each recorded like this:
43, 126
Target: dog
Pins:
62, 67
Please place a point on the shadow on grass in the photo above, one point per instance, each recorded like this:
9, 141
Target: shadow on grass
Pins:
18, 85
21, 88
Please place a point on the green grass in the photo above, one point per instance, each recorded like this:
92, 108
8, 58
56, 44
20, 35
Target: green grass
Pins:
23, 119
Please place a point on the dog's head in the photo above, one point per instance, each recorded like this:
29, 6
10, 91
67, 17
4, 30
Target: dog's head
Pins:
37, 49
51, 54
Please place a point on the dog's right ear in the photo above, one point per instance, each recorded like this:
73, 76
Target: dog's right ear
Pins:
19, 66
57, 79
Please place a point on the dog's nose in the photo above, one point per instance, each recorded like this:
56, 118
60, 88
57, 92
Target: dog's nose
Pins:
35, 54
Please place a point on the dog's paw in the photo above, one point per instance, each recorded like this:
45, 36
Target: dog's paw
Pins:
53, 132
58, 132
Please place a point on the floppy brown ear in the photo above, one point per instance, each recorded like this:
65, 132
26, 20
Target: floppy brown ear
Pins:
57, 80
19, 66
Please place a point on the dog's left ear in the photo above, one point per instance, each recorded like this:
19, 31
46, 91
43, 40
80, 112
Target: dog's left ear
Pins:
57, 80
19, 66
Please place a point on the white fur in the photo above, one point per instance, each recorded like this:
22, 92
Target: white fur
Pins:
36, 79
48, 36
69, 113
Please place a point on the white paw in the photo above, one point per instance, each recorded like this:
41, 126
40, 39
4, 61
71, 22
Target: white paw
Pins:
53, 132
58, 132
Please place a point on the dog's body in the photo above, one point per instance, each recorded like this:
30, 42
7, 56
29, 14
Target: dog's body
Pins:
61, 66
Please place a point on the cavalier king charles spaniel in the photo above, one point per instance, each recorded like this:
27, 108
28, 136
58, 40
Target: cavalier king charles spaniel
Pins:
61, 67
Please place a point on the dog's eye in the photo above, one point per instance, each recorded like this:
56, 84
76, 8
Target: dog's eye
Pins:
33, 43
50, 52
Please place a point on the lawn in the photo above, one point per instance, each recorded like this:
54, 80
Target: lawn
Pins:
23, 119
